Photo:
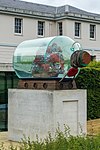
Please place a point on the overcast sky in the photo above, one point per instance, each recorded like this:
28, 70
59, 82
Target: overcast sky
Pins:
88, 5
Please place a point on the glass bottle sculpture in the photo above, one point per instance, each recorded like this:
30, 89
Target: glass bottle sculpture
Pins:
50, 57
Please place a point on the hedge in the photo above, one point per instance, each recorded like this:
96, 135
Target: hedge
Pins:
89, 78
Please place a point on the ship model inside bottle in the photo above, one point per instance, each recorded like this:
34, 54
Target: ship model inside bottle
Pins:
50, 63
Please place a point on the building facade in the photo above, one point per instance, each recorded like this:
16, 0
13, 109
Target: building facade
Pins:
21, 21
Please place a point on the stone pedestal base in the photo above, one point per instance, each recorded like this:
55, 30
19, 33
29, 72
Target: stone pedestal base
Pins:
35, 112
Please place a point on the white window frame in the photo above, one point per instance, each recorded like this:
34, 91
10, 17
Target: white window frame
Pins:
20, 28
93, 31
77, 29
60, 28
40, 28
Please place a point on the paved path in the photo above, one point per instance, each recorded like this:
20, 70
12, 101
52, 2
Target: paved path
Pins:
3, 137
5, 141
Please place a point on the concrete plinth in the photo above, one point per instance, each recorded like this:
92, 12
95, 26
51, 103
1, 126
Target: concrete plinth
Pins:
35, 112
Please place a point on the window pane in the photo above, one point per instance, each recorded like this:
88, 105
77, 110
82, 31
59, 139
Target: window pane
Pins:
3, 117
40, 28
18, 25
60, 28
92, 31
2, 88
7, 80
77, 29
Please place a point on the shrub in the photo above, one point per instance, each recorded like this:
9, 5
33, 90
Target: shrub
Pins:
61, 141
94, 64
89, 78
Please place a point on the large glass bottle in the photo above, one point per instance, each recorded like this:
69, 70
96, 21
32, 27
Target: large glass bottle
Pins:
44, 57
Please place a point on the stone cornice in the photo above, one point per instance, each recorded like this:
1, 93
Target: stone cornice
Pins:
48, 16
